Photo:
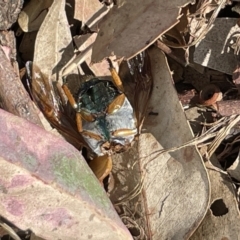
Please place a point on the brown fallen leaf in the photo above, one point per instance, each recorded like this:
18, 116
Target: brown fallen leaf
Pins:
131, 26
222, 220
14, 97
85, 42
53, 47
89, 12
46, 186
178, 32
166, 195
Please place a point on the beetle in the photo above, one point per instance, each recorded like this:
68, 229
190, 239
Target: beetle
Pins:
105, 121
104, 115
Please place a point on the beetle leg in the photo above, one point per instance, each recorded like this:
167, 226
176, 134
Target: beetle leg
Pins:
116, 79
124, 132
87, 117
92, 135
116, 104
69, 96
101, 166
74, 105
79, 122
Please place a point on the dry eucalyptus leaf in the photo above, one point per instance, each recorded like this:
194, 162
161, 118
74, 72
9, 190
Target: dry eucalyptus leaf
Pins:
33, 14
131, 26
47, 186
234, 169
89, 12
178, 173
179, 30
53, 47
222, 220
84, 42
175, 191
14, 97
216, 49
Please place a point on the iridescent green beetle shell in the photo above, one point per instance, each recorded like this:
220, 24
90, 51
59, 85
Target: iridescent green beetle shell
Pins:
93, 97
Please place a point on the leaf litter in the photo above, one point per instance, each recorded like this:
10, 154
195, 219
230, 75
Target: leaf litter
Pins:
173, 182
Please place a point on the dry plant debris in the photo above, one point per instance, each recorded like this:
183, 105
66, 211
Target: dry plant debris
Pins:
215, 50
179, 66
